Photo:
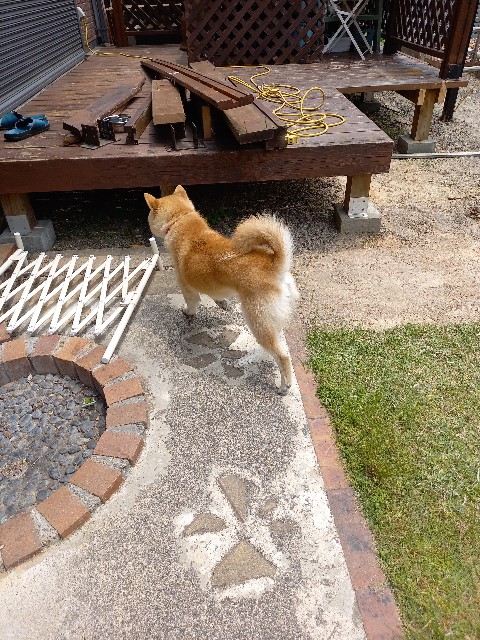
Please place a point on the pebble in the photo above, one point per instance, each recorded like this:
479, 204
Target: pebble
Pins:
50, 434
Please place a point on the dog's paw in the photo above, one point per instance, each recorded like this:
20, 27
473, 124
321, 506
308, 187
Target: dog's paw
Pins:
188, 314
283, 389
223, 304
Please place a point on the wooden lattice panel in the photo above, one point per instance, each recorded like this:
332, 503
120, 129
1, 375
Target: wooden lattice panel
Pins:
151, 18
422, 24
254, 31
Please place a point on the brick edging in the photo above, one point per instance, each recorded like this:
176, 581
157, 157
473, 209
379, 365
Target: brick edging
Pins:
126, 407
375, 600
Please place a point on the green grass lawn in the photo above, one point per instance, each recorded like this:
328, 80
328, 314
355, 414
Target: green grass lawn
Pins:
405, 404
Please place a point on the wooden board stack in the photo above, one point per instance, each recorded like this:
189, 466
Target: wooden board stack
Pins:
163, 100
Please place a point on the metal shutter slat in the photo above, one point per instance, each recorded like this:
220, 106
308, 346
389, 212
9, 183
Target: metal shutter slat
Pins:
39, 41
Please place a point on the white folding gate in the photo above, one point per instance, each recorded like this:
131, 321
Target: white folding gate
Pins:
54, 295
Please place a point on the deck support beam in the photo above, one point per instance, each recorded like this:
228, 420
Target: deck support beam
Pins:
425, 100
36, 236
357, 214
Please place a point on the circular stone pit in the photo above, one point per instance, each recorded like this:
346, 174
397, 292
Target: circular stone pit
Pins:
70, 428
49, 425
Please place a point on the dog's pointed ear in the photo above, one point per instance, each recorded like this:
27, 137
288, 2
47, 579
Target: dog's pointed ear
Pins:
150, 200
181, 191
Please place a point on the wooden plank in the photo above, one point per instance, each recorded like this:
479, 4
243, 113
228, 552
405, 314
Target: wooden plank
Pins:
141, 115
218, 83
83, 123
212, 96
252, 122
167, 106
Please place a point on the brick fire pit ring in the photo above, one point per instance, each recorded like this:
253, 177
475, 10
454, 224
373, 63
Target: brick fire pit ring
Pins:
21, 537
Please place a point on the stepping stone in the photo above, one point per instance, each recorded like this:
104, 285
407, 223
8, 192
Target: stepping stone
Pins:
236, 492
244, 562
204, 523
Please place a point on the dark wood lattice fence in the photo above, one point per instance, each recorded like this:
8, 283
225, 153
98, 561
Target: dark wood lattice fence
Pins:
440, 28
145, 18
233, 32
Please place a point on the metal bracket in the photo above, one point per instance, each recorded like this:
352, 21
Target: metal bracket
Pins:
177, 145
105, 128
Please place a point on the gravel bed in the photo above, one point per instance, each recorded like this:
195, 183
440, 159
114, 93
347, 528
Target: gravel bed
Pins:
49, 425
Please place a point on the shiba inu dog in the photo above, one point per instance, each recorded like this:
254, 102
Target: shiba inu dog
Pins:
254, 265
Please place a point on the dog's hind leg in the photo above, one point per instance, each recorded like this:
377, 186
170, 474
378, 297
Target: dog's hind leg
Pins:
192, 299
270, 339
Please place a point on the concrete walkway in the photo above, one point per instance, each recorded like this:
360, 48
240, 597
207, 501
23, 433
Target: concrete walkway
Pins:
222, 530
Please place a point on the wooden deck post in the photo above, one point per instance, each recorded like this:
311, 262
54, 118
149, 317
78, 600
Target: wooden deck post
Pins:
425, 100
422, 119
18, 212
357, 214
167, 189
36, 236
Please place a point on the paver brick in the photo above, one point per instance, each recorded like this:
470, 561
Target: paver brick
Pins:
98, 479
380, 616
331, 467
4, 335
41, 357
64, 511
18, 540
85, 364
356, 539
123, 390
15, 361
132, 413
108, 372
66, 355
119, 445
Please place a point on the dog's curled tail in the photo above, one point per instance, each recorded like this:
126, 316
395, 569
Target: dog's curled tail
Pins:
265, 232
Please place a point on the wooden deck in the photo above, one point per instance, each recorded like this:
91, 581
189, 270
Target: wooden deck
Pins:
42, 163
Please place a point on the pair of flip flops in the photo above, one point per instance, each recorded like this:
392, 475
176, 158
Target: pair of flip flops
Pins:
20, 127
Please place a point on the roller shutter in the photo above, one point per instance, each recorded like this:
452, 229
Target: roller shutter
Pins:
39, 40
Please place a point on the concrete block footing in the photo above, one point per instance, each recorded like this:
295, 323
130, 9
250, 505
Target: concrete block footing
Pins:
357, 226
40, 238
405, 144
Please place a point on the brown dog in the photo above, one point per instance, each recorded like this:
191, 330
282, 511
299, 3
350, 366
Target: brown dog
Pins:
254, 265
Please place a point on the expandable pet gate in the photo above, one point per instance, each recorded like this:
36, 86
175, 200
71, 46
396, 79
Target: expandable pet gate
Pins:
60, 293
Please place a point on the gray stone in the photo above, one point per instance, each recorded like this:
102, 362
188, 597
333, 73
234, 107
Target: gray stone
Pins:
244, 562
236, 492
202, 339
357, 226
227, 337
200, 362
232, 372
204, 523
267, 508
282, 527
405, 144
40, 238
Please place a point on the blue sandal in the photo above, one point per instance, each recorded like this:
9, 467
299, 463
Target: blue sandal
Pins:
9, 120
26, 127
